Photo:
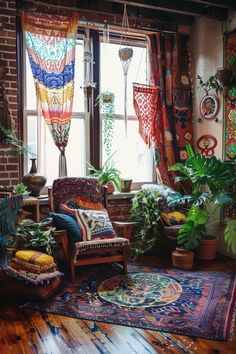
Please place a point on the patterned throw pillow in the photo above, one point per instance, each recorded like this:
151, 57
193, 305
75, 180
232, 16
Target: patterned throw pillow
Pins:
83, 203
93, 223
173, 218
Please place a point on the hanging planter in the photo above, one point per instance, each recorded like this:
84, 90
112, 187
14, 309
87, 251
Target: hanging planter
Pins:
125, 54
106, 102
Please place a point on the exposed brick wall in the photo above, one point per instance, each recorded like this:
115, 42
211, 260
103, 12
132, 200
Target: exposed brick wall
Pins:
9, 166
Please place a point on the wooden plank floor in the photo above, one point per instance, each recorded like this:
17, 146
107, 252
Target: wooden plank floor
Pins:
22, 333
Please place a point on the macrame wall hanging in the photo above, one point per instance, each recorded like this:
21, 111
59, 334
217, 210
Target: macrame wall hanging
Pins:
146, 106
89, 85
125, 55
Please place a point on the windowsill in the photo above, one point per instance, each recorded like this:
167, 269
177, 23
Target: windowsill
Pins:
120, 195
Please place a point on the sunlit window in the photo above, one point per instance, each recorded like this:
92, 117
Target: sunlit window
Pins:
131, 155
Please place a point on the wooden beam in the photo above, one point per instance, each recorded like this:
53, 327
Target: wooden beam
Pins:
226, 4
186, 8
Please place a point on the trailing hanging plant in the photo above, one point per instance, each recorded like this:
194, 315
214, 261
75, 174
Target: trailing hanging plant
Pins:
211, 84
106, 101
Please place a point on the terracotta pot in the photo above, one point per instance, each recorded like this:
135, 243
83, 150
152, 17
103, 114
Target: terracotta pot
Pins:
207, 249
110, 187
182, 259
34, 181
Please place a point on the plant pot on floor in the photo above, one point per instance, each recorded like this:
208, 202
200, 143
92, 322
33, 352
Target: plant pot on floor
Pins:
207, 249
182, 259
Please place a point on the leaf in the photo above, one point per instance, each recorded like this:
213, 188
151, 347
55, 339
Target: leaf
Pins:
190, 235
198, 215
230, 235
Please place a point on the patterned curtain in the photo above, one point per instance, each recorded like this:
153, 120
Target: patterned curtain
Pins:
50, 42
169, 61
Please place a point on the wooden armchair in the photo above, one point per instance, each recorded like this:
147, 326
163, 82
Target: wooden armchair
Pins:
97, 250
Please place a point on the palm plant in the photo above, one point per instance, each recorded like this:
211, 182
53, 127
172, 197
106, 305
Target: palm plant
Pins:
211, 179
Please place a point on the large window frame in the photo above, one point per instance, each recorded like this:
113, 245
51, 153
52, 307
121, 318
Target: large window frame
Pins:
93, 119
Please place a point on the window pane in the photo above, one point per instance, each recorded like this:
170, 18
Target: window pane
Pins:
30, 87
132, 157
32, 136
78, 102
112, 77
75, 152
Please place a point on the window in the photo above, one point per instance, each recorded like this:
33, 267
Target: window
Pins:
38, 135
132, 156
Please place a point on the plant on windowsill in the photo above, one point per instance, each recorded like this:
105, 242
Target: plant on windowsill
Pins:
106, 101
108, 175
211, 179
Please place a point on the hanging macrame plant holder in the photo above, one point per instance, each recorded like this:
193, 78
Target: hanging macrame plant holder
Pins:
146, 106
89, 85
125, 55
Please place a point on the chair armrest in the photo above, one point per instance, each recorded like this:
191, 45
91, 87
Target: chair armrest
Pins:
126, 225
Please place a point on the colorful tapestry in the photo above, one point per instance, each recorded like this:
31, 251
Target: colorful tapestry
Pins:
50, 42
169, 59
230, 105
9, 207
196, 304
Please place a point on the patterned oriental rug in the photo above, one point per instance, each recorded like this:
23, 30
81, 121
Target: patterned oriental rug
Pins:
198, 304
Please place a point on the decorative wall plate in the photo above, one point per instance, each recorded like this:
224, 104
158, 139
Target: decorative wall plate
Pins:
209, 106
206, 144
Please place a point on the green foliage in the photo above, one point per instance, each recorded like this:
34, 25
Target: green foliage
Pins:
145, 210
20, 188
17, 146
230, 235
32, 235
211, 179
108, 173
211, 84
106, 102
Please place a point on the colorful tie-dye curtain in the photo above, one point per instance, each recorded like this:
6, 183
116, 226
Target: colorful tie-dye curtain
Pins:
169, 62
50, 42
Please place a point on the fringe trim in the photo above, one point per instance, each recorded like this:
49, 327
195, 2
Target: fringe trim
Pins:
40, 279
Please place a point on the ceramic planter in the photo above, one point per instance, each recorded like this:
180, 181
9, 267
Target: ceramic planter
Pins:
182, 259
207, 249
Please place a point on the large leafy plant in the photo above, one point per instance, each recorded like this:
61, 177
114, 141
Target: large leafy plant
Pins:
211, 179
146, 212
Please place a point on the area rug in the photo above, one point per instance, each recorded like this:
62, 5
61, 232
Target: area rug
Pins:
192, 303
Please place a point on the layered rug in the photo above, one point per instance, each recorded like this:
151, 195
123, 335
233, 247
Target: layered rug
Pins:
198, 304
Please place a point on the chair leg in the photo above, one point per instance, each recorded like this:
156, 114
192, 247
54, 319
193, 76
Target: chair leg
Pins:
125, 260
72, 271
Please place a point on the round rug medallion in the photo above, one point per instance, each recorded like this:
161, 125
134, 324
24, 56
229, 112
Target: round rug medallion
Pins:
140, 290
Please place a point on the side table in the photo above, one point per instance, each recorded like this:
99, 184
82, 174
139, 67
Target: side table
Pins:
31, 204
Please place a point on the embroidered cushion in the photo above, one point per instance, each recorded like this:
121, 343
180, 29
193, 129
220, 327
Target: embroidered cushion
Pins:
94, 224
83, 203
68, 223
173, 218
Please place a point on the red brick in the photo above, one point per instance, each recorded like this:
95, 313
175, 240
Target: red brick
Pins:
11, 167
2, 167
12, 99
9, 26
7, 48
3, 160
13, 71
11, 92
4, 19
11, 41
14, 175
3, 33
14, 84
11, 4
10, 12
3, 40
14, 181
4, 175
8, 55
11, 34
13, 159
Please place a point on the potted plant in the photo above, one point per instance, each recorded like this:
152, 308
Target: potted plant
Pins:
146, 212
32, 235
106, 101
212, 83
211, 179
108, 175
